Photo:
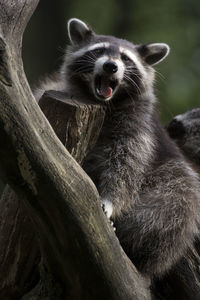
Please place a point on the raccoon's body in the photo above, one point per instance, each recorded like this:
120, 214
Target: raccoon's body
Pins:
145, 185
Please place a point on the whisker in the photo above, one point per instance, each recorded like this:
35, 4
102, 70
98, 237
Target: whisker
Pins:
132, 82
160, 75
130, 72
136, 74
80, 71
83, 61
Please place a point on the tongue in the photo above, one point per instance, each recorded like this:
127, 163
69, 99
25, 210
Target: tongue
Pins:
105, 90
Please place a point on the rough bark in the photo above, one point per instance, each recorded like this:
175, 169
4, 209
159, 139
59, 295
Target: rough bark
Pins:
78, 245
19, 251
71, 121
77, 124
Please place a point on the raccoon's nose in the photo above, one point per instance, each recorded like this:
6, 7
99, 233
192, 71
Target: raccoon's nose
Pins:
110, 67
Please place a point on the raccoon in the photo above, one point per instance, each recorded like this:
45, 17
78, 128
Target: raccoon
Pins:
185, 130
146, 187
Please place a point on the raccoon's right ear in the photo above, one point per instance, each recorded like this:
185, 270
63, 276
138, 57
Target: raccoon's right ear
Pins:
78, 31
153, 53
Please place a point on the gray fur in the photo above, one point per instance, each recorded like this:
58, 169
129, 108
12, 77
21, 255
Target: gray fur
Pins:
185, 129
154, 192
156, 200
52, 82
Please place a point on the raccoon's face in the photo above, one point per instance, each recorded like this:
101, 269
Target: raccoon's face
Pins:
104, 66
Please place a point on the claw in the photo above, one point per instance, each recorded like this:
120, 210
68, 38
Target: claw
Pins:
103, 206
112, 224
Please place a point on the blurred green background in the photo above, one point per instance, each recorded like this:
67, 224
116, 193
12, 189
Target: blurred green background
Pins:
176, 22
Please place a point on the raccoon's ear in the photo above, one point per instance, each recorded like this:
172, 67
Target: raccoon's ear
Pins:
153, 53
78, 31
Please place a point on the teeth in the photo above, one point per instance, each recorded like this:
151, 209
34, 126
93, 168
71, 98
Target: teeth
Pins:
104, 86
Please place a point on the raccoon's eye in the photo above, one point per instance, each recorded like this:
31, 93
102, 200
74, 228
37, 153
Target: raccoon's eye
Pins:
98, 51
125, 58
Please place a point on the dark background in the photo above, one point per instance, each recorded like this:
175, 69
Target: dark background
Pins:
176, 22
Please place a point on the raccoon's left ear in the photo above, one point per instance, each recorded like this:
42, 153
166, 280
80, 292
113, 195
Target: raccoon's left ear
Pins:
78, 31
153, 53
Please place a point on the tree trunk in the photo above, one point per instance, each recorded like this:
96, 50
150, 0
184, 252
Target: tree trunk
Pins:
71, 122
19, 251
79, 248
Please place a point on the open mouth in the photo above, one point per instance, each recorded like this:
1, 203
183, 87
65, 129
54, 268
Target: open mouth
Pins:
104, 86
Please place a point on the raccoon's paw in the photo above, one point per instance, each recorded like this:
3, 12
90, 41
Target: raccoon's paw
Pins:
108, 209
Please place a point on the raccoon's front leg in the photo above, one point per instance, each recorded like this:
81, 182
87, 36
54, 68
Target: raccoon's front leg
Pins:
164, 222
